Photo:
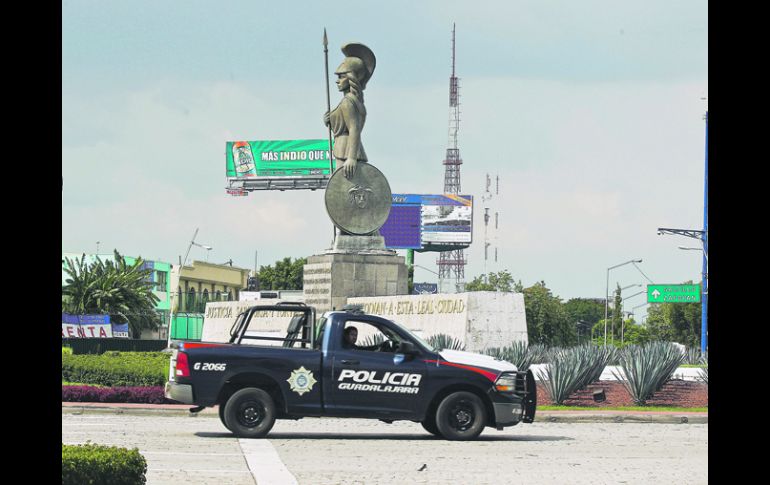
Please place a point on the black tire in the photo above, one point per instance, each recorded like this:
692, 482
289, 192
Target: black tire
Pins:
461, 416
222, 415
250, 413
430, 425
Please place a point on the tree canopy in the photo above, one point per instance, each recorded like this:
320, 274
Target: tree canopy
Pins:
500, 281
285, 275
121, 290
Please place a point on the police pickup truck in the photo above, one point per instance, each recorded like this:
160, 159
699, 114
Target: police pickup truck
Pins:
319, 369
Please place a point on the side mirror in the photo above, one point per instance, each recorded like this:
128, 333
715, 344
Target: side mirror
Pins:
407, 348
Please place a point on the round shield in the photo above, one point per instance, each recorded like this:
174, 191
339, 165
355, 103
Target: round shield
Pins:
360, 205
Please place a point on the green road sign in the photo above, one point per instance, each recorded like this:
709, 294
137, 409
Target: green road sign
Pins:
673, 293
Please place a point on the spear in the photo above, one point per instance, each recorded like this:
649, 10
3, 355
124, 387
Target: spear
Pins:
328, 101
329, 110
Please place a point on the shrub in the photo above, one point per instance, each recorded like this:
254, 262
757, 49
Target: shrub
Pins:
647, 368
443, 341
92, 463
117, 368
145, 395
66, 350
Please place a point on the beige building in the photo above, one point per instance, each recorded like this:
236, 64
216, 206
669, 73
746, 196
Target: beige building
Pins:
202, 282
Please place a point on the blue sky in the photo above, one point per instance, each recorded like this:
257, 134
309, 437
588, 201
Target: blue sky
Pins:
590, 112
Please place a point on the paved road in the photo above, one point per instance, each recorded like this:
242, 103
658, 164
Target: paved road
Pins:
199, 450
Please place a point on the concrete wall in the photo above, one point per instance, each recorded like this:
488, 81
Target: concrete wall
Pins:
480, 320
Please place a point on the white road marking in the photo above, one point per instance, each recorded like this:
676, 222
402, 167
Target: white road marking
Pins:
265, 464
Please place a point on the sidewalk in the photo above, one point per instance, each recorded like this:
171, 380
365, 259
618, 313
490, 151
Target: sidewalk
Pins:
587, 416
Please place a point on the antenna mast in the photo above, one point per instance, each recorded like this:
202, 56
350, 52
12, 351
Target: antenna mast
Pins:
452, 263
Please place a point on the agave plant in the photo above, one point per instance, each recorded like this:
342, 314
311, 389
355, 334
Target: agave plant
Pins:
443, 341
693, 356
593, 360
703, 375
517, 354
539, 354
647, 368
566, 370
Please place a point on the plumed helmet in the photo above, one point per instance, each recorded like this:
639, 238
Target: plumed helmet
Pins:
359, 60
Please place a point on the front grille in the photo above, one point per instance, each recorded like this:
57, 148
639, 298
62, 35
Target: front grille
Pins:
521, 382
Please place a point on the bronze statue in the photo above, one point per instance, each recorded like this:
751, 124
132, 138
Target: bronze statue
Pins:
348, 118
358, 198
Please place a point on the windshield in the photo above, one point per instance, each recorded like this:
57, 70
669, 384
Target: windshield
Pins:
414, 337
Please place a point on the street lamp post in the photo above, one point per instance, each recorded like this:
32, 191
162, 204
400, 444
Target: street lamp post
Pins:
607, 293
703, 237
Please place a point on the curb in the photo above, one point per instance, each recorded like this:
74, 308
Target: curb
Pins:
661, 417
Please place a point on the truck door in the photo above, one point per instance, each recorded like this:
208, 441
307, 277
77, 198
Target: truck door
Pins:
369, 378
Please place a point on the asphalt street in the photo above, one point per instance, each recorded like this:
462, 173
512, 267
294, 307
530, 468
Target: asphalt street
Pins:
199, 450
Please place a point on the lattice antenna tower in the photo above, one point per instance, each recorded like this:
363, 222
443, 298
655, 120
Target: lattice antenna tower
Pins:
451, 264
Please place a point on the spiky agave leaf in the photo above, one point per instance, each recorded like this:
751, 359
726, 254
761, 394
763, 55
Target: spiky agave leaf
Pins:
703, 375
517, 354
374, 339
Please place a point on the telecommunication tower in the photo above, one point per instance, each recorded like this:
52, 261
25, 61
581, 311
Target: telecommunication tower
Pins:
451, 264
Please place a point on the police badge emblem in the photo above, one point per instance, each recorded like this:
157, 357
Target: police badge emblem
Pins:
301, 380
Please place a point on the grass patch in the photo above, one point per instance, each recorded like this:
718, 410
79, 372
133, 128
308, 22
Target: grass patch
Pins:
65, 383
623, 408
694, 366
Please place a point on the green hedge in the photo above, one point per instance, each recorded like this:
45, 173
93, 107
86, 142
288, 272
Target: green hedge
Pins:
96, 464
117, 368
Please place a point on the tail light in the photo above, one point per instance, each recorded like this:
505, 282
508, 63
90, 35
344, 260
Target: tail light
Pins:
182, 365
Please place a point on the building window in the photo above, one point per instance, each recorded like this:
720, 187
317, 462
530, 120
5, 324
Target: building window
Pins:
161, 281
191, 300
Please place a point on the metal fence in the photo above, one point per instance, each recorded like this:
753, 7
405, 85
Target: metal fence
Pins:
101, 345
187, 326
196, 302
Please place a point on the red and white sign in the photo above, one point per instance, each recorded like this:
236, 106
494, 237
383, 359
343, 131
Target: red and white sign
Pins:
69, 330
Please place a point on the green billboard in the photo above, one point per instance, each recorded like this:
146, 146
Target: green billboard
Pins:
277, 158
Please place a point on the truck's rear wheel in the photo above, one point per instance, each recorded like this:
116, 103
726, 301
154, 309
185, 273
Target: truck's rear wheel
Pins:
222, 415
461, 416
250, 413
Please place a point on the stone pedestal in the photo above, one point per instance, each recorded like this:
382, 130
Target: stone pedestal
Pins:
344, 272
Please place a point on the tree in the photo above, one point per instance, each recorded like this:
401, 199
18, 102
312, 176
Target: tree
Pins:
116, 288
584, 313
584, 310
501, 281
285, 275
675, 322
547, 320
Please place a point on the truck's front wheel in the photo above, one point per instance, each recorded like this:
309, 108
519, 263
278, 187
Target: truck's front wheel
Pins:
250, 413
461, 416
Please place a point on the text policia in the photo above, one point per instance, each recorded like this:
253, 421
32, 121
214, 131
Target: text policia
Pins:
364, 380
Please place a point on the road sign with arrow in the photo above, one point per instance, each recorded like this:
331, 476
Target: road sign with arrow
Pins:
673, 293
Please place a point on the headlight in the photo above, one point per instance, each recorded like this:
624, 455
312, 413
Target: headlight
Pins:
506, 383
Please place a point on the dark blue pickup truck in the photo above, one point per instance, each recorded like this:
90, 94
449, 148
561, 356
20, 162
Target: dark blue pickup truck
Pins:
322, 369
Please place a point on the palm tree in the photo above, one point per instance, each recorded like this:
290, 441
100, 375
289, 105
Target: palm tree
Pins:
122, 290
